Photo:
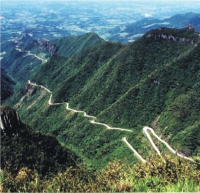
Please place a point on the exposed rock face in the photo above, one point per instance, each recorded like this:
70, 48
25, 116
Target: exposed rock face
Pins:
49, 47
45, 45
174, 35
9, 121
190, 27
171, 37
29, 89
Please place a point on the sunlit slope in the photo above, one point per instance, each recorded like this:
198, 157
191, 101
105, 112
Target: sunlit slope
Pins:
126, 86
24, 55
71, 45
104, 73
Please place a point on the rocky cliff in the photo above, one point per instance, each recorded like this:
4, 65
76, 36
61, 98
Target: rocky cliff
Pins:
186, 35
7, 85
22, 147
9, 121
45, 45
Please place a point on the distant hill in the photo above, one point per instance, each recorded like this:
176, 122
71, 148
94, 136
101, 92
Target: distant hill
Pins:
137, 29
182, 20
21, 147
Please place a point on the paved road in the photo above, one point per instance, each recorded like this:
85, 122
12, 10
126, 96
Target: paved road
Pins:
76, 111
135, 152
145, 129
31, 54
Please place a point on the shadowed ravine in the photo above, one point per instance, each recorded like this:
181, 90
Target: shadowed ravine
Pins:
145, 129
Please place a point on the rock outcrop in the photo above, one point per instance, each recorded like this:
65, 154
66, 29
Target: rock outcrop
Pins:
9, 121
174, 35
171, 37
45, 45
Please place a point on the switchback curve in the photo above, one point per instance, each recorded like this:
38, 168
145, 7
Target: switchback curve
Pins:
145, 129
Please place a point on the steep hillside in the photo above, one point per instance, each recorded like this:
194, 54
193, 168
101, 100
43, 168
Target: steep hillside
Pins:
99, 76
24, 55
75, 44
65, 46
19, 64
22, 147
127, 86
7, 85
169, 96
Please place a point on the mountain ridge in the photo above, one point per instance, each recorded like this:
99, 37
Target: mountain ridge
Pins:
110, 77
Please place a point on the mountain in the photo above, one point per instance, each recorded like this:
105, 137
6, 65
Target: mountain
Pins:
7, 85
182, 20
19, 63
158, 77
111, 69
170, 96
22, 147
152, 81
135, 30
75, 44
25, 54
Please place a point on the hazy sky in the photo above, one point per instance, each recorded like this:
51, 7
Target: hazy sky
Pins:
113, 1
190, 4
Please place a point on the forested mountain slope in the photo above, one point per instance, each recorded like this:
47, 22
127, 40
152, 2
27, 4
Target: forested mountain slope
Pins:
152, 81
25, 54
111, 69
75, 44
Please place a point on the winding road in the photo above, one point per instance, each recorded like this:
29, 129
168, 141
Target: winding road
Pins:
134, 151
31, 54
146, 129
76, 111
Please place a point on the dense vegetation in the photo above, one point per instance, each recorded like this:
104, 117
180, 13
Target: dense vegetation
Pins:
100, 75
147, 78
21, 66
75, 44
156, 81
93, 143
7, 85
149, 82
160, 175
